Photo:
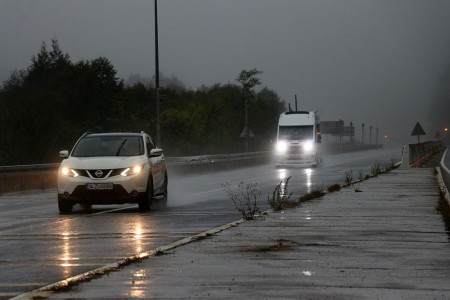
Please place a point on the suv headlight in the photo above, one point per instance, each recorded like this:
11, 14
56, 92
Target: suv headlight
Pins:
282, 147
69, 172
133, 170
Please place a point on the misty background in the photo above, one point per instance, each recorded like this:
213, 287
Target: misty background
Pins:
380, 62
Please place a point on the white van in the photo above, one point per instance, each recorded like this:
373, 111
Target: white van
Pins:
297, 138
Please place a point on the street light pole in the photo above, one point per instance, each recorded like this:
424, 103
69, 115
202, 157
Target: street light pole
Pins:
158, 128
246, 121
362, 134
377, 137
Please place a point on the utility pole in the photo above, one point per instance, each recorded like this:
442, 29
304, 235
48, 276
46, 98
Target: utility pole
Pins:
362, 134
158, 127
377, 136
246, 122
352, 132
370, 135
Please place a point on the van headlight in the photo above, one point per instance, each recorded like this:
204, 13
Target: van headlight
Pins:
282, 147
308, 146
132, 170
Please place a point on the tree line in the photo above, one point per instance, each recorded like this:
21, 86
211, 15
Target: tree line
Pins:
46, 107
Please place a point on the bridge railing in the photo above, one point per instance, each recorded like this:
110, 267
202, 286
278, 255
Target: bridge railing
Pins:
413, 155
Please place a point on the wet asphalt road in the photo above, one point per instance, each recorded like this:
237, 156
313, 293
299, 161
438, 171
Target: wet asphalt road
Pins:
38, 246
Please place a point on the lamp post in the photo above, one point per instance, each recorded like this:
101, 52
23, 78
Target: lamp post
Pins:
377, 137
352, 132
158, 128
246, 122
362, 134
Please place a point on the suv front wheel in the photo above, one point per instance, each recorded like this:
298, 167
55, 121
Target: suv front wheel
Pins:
64, 206
145, 202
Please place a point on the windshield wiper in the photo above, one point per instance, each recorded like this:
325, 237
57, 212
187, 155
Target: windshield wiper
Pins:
121, 146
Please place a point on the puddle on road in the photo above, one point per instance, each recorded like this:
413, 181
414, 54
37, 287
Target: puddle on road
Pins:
281, 245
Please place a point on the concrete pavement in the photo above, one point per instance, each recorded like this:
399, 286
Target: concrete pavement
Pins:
386, 242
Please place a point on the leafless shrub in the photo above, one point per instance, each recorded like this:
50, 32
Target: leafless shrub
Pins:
311, 196
334, 188
245, 199
280, 195
348, 177
376, 169
360, 175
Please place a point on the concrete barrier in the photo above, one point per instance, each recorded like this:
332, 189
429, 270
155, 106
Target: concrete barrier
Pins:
37, 180
445, 173
413, 155
443, 188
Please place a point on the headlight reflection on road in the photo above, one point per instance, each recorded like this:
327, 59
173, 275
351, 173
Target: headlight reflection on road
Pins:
282, 174
138, 237
66, 258
139, 287
308, 215
308, 173
307, 273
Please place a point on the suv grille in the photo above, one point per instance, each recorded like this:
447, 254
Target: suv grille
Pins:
99, 173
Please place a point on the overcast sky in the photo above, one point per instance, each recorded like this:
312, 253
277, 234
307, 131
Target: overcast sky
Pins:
371, 61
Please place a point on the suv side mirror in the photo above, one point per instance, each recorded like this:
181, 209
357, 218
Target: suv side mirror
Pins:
64, 153
156, 152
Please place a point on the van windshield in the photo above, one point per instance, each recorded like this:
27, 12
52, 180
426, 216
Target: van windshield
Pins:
296, 132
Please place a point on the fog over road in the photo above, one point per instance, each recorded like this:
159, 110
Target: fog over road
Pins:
39, 246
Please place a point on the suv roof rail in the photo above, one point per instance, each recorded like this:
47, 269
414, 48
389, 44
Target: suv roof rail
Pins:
87, 133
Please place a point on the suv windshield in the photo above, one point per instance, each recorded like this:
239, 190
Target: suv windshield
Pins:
109, 146
296, 132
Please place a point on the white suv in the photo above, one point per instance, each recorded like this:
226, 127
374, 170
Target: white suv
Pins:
112, 168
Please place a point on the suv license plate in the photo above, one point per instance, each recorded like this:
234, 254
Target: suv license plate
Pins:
99, 186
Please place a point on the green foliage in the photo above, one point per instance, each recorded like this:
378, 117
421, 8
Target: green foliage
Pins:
50, 104
46, 107
248, 79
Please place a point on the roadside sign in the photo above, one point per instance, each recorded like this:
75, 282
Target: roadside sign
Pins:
246, 131
418, 131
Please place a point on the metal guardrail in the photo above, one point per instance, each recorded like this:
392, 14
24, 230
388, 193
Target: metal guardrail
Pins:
445, 172
43, 176
199, 159
216, 157
27, 168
